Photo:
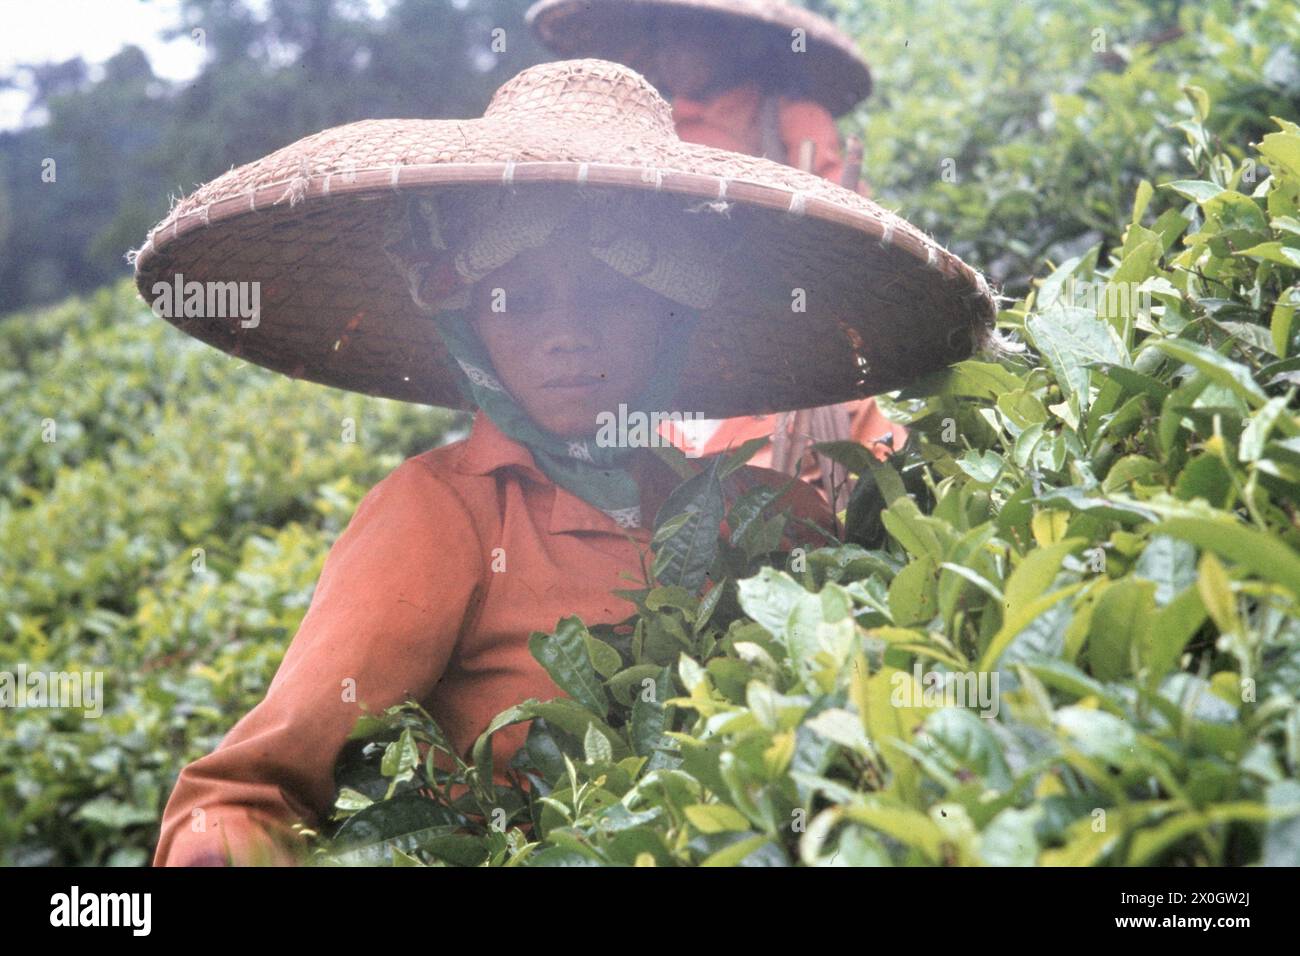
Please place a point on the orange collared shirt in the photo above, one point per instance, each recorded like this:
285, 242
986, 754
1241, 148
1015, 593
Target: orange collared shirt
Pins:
730, 120
409, 603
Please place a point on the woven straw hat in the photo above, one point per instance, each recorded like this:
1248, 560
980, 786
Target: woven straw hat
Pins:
830, 67
881, 302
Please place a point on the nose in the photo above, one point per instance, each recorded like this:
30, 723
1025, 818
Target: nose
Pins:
566, 326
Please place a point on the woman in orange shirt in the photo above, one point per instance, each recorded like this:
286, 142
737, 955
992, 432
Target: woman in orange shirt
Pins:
545, 265
457, 556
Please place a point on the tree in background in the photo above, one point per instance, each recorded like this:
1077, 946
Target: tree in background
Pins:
122, 143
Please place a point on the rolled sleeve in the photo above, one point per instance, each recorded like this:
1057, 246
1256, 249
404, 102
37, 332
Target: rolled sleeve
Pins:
393, 596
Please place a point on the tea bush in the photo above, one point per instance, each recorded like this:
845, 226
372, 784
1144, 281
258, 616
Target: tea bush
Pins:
1019, 131
126, 447
1063, 629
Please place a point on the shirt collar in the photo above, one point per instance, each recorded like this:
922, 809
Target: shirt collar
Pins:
488, 449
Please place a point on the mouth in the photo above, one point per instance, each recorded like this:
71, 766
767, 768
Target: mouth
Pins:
574, 382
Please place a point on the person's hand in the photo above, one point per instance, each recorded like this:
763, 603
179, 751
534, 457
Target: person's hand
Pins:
208, 858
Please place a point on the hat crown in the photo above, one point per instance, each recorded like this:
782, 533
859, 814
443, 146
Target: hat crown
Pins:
588, 93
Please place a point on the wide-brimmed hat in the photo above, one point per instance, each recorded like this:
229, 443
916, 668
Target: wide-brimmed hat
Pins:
824, 297
829, 68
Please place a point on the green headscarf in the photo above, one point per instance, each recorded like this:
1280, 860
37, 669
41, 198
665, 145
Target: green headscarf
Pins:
441, 272
594, 473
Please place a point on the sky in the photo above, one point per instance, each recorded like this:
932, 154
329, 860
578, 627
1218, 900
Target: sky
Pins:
40, 31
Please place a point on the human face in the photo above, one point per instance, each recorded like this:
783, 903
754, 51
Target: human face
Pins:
572, 337
683, 66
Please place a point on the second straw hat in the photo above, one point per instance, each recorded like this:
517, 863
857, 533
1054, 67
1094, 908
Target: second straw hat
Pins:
828, 62
825, 295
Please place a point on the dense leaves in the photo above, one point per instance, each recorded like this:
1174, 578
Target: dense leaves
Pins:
164, 513
1018, 131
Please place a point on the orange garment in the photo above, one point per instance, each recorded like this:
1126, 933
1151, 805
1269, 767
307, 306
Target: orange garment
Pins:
866, 422
731, 121
409, 602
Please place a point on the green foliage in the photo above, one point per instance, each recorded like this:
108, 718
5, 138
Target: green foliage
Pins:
127, 446
1084, 651
1016, 132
